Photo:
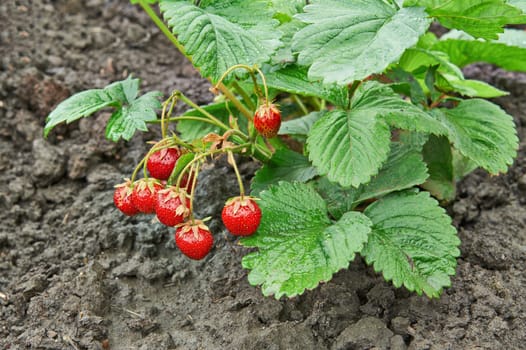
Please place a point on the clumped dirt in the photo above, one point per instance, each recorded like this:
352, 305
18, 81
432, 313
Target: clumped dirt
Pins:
76, 274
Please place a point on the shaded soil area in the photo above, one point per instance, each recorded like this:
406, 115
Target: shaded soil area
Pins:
76, 274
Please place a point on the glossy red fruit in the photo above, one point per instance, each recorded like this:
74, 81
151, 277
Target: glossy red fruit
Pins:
241, 216
172, 206
144, 195
194, 239
267, 120
161, 163
122, 198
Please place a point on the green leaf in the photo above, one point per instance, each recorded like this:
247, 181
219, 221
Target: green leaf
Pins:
181, 163
462, 166
413, 59
339, 200
467, 87
506, 52
412, 242
381, 100
285, 165
403, 169
349, 40
126, 120
288, 7
407, 84
298, 245
483, 132
439, 159
448, 76
131, 113
480, 18
226, 33
293, 79
284, 54
82, 104
300, 126
349, 147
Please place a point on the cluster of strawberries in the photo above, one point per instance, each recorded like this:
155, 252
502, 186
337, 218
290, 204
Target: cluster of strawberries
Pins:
172, 205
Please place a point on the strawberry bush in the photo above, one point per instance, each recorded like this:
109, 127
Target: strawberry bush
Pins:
360, 116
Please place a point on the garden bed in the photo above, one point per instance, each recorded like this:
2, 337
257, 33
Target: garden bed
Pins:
77, 274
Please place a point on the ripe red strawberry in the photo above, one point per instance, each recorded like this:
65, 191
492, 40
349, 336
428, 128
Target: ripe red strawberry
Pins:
194, 239
122, 198
172, 206
241, 216
144, 195
267, 120
161, 163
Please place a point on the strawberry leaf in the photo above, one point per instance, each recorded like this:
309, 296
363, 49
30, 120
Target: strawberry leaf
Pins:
349, 40
480, 18
300, 126
350, 146
181, 163
133, 116
412, 242
223, 33
294, 79
483, 132
285, 165
131, 113
439, 159
403, 169
448, 76
507, 52
298, 246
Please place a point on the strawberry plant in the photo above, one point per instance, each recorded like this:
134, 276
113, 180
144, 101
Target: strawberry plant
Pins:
360, 116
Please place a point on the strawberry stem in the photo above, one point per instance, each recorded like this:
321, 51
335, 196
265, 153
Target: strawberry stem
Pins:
195, 173
232, 161
228, 93
244, 95
164, 29
300, 104
201, 110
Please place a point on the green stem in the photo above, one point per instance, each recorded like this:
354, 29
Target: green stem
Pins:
316, 102
244, 95
195, 173
136, 170
238, 175
264, 80
199, 119
160, 24
163, 119
202, 110
226, 91
300, 104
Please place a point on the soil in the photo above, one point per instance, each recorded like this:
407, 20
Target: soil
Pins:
76, 274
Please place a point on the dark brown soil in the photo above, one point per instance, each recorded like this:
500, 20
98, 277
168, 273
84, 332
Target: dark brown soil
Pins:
76, 274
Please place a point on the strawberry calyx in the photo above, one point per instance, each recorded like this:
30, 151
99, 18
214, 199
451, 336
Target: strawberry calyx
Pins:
193, 226
128, 184
241, 201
